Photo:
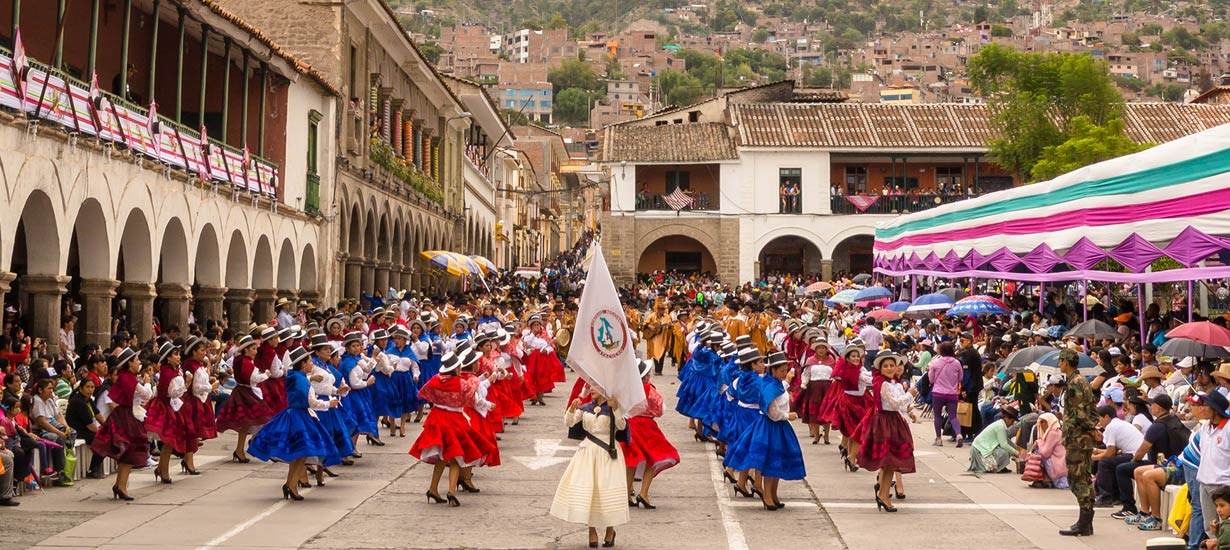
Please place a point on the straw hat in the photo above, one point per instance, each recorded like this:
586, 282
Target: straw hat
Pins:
1222, 372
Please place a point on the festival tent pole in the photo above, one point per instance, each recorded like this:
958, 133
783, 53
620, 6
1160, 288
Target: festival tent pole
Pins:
1189, 301
1041, 296
914, 288
1085, 299
1140, 294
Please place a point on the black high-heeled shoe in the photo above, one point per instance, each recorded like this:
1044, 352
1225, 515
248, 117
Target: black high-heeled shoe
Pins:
769, 507
881, 505
166, 480
780, 505
374, 442
434, 498
304, 484
288, 494
608, 543
465, 486
729, 477
328, 472
347, 462
756, 493
183, 467
701, 438
900, 495
117, 494
741, 491
645, 503
452, 500
235, 458
356, 454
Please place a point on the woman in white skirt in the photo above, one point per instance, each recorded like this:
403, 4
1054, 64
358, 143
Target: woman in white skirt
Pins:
593, 490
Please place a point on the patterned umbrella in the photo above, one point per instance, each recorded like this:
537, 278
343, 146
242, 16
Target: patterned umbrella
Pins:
845, 297
899, 307
451, 263
873, 293
818, 287
984, 298
975, 308
931, 302
484, 264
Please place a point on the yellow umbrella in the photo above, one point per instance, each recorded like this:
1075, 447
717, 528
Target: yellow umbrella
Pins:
484, 264
470, 266
447, 261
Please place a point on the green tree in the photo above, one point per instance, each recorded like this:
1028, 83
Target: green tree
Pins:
557, 22
431, 51
1150, 29
1180, 37
514, 117
679, 88
760, 35
1034, 98
1086, 144
1001, 31
613, 71
820, 77
574, 73
572, 106
1129, 39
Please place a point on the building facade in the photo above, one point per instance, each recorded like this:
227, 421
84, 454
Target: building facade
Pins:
192, 191
764, 180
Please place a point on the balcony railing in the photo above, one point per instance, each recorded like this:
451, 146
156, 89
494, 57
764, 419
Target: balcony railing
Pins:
383, 155
891, 204
51, 96
657, 201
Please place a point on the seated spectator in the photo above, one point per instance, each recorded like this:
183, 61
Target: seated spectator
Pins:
991, 450
1049, 445
1138, 413
1121, 440
49, 424
84, 419
1163, 441
12, 387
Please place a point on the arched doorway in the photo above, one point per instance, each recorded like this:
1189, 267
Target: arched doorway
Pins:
676, 253
853, 255
789, 254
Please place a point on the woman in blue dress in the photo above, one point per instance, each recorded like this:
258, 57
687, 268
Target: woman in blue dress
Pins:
743, 410
700, 383
714, 405
426, 331
356, 370
295, 435
406, 375
326, 382
384, 399
769, 445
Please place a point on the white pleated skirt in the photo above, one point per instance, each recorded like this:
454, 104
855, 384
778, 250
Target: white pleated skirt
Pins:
594, 489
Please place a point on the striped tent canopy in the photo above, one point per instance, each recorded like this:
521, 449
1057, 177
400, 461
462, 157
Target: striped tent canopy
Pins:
1171, 200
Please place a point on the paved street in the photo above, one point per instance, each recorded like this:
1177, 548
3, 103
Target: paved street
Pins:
379, 503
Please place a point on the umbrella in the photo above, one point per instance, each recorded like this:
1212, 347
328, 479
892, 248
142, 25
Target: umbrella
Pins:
818, 287
1083, 361
449, 262
931, 302
484, 264
899, 307
470, 265
886, 315
844, 297
984, 298
1203, 332
976, 308
861, 278
1186, 347
1094, 329
878, 302
873, 293
1019, 359
954, 293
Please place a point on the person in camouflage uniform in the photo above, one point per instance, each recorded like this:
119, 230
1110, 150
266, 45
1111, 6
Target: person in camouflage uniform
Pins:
1079, 423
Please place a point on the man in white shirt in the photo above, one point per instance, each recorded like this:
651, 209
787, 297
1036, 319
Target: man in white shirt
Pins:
874, 339
68, 338
1121, 439
1214, 471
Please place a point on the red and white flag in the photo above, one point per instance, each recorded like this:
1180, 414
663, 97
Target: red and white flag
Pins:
204, 172
152, 124
95, 92
678, 200
21, 65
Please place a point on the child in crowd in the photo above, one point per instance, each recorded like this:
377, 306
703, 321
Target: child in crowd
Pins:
1221, 525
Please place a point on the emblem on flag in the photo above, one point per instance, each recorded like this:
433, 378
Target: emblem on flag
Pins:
678, 200
608, 333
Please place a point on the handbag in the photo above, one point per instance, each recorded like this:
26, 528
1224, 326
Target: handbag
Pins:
1033, 468
965, 414
70, 463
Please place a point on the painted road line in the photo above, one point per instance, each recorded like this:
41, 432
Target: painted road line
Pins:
221, 539
949, 506
734, 532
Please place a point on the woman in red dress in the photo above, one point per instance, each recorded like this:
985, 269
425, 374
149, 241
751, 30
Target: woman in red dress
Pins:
888, 445
478, 411
245, 408
509, 388
199, 403
817, 376
541, 361
448, 439
846, 403
647, 451
122, 437
273, 388
166, 417
488, 359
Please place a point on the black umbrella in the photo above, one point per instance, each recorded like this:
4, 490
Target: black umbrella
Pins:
1183, 347
955, 293
1018, 360
1093, 329
861, 278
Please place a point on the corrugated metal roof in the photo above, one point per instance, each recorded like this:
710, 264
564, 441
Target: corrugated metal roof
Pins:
699, 142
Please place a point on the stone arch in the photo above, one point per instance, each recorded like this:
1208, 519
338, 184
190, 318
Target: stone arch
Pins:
789, 254
384, 250
834, 241
397, 245
90, 233
237, 274
42, 244
671, 229
853, 253
677, 253
208, 270
136, 249
369, 235
262, 264
307, 269
286, 266
173, 254
354, 245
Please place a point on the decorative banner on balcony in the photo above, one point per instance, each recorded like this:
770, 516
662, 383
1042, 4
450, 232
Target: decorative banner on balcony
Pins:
678, 200
862, 202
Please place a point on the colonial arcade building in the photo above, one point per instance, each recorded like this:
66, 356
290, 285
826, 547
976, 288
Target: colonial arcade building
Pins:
773, 179
190, 180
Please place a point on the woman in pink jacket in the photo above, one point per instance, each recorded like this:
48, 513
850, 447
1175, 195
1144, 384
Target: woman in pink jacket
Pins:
1049, 444
945, 375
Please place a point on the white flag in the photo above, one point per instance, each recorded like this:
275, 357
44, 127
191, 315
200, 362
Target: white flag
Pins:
602, 351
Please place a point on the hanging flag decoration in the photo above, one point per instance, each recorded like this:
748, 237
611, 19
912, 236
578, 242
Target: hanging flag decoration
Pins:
21, 65
678, 200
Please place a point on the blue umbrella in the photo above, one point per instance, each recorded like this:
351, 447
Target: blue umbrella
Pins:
898, 307
845, 297
931, 302
873, 293
1052, 360
975, 308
